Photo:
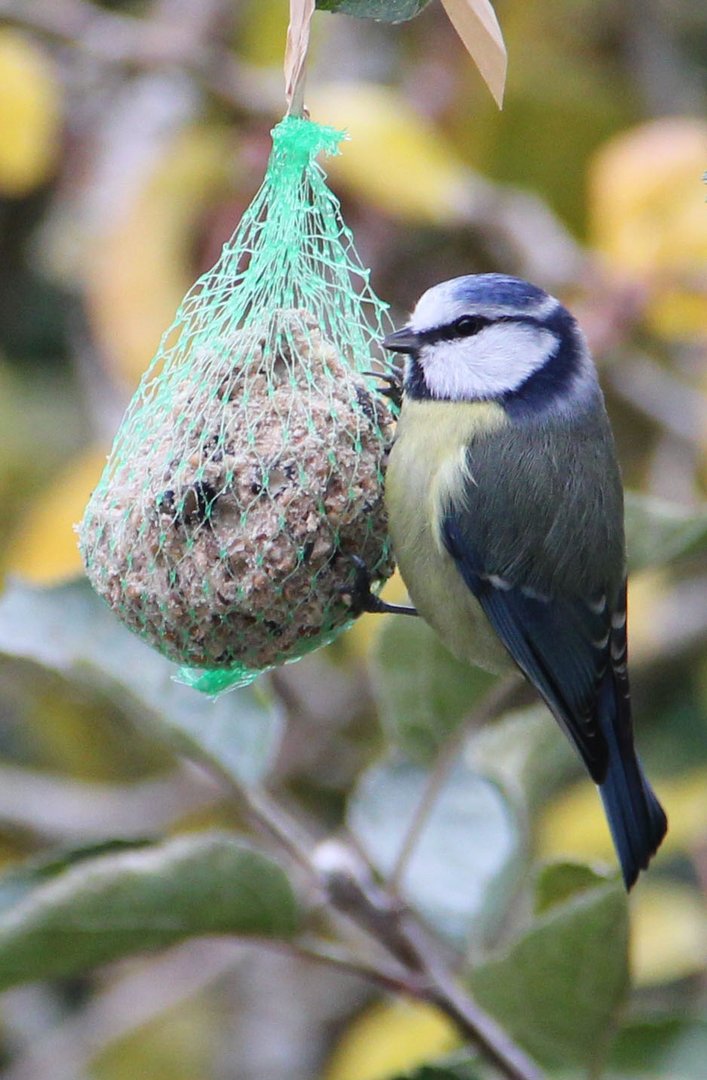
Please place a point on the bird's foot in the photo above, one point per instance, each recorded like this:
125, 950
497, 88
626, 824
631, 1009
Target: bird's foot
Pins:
362, 599
393, 388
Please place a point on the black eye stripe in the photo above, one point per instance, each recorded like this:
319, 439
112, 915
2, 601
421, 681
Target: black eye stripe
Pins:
469, 325
464, 326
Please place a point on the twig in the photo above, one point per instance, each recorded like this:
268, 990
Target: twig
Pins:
466, 1014
390, 977
495, 701
345, 881
396, 928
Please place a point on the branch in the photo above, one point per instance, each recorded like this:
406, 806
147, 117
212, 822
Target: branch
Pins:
400, 932
342, 877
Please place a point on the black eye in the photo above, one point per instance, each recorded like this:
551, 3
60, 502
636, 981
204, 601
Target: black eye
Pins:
469, 324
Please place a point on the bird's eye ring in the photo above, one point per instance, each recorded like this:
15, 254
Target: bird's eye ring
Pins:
467, 325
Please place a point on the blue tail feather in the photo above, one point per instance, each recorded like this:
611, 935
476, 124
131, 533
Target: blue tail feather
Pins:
636, 818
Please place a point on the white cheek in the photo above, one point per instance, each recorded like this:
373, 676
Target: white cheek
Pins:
495, 361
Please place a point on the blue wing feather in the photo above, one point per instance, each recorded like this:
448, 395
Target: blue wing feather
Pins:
576, 659
550, 640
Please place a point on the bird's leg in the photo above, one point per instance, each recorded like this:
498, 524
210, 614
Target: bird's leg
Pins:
394, 385
363, 600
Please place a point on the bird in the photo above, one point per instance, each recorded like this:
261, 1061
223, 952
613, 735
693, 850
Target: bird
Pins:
505, 507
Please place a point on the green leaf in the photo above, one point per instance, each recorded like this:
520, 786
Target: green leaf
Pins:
656, 1047
558, 882
423, 692
557, 989
458, 873
125, 903
69, 631
20, 879
658, 531
391, 11
461, 1070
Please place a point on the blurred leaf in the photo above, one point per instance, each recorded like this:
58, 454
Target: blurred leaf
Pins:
389, 1037
658, 531
559, 882
70, 631
573, 824
561, 78
30, 115
140, 267
392, 11
648, 216
557, 989
117, 905
474, 20
476, 23
668, 932
384, 128
458, 873
423, 691
525, 752
463, 1070
43, 549
181, 1043
19, 880
661, 1047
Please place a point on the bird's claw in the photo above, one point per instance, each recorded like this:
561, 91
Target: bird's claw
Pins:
393, 391
361, 598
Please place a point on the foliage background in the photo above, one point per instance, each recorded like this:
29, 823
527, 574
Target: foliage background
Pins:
132, 137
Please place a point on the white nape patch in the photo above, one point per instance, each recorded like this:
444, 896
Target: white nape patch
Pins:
496, 361
445, 303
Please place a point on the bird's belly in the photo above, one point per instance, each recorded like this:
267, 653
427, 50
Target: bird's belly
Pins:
415, 483
443, 600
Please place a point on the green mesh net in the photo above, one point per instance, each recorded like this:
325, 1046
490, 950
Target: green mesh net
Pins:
248, 467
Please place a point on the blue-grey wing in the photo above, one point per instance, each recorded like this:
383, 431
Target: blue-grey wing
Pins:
561, 644
537, 536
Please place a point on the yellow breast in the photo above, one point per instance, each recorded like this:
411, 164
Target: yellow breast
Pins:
427, 467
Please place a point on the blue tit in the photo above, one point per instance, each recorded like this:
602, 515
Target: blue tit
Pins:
506, 519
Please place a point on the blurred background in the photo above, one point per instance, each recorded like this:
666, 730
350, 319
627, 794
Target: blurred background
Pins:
133, 135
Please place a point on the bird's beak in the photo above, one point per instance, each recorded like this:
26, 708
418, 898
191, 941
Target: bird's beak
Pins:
402, 341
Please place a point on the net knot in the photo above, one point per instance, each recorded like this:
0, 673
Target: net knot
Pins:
297, 141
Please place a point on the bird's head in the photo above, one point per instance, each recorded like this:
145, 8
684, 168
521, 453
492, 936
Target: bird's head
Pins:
490, 337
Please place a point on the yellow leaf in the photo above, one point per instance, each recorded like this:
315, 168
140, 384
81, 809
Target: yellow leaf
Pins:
390, 1038
668, 933
44, 548
30, 115
261, 32
573, 825
476, 23
648, 216
395, 159
138, 273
